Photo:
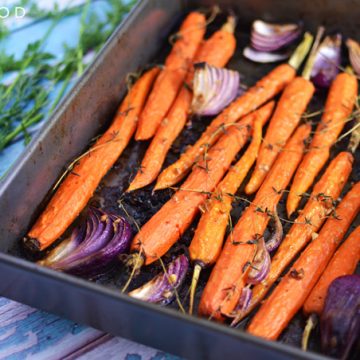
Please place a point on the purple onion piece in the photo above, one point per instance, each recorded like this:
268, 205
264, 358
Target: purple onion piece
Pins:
161, 289
245, 299
354, 54
214, 88
278, 234
327, 61
98, 262
264, 57
66, 247
340, 319
100, 231
266, 37
260, 266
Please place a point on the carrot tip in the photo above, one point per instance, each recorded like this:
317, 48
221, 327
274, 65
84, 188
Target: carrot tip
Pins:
32, 244
195, 279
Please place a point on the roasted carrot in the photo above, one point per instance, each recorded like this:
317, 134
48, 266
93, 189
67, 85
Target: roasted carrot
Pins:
223, 289
168, 83
338, 107
77, 188
290, 294
206, 245
344, 262
308, 222
157, 236
216, 51
292, 104
264, 90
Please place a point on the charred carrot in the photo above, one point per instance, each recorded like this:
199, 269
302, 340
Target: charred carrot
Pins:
316, 210
171, 78
344, 262
292, 104
79, 185
264, 90
290, 294
223, 289
338, 107
216, 51
206, 245
157, 236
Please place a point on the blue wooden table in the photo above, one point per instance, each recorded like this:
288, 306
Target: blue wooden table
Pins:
26, 332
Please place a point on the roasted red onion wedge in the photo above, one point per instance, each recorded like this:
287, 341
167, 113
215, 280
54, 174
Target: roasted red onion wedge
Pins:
162, 288
340, 320
268, 37
243, 305
214, 88
327, 61
99, 261
66, 247
263, 56
277, 235
260, 266
354, 54
90, 252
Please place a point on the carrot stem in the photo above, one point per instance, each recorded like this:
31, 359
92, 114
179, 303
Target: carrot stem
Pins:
310, 325
311, 60
301, 51
195, 279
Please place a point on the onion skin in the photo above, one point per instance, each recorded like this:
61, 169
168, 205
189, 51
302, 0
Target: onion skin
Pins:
327, 61
268, 37
354, 54
260, 266
160, 290
213, 89
275, 240
340, 320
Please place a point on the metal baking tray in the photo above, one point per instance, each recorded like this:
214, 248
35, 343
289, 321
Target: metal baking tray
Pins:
140, 40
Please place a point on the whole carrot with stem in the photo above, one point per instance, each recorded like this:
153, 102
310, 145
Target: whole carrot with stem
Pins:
171, 78
206, 245
157, 236
223, 289
216, 51
290, 294
264, 90
292, 104
87, 171
315, 212
339, 105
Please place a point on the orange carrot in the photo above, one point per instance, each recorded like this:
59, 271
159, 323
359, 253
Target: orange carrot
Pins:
308, 222
287, 115
344, 262
223, 289
169, 223
264, 90
290, 294
171, 78
216, 51
206, 245
79, 185
338, 107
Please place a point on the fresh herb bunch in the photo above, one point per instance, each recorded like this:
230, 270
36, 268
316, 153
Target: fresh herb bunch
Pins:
26, 101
